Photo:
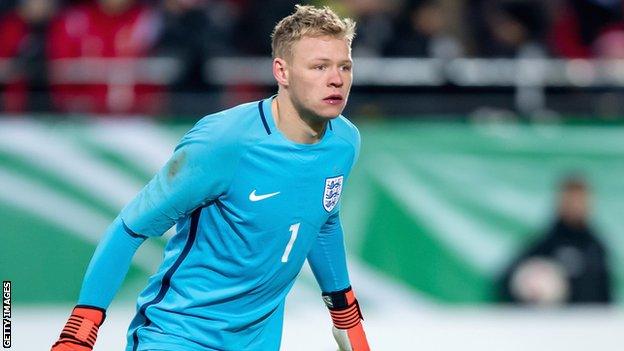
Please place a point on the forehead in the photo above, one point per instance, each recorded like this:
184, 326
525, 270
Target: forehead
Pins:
571, 194
321, 47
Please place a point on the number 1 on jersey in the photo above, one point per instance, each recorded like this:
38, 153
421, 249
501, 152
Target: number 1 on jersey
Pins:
294, 229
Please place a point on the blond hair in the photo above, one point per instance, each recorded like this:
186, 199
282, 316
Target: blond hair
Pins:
309, 21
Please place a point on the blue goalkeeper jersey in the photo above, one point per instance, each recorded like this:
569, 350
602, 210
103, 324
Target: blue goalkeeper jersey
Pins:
250, 206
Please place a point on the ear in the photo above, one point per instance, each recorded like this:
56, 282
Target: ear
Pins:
280, 71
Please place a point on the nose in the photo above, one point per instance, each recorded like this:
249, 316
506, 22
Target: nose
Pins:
335, 78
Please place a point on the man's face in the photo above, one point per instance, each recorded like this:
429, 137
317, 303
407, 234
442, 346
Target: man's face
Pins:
320, 76
574, 207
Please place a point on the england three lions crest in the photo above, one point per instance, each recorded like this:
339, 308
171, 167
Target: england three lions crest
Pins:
333, 189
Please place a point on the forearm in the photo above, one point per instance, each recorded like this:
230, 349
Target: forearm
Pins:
109, 265
327, 258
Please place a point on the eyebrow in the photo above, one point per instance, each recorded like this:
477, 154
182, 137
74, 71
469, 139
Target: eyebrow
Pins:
329, 60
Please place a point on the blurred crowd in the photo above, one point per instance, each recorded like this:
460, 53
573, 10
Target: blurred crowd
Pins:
35, 33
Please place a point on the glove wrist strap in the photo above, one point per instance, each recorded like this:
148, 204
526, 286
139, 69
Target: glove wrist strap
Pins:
343, 308
83, 326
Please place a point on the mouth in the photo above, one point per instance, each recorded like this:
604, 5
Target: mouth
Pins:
333, 99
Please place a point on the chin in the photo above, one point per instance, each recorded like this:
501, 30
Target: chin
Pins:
329, 113
329, 116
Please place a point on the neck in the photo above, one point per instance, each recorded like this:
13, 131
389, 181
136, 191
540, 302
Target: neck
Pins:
294, 125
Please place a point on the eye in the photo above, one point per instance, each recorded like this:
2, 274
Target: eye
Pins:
320, 67
346, 68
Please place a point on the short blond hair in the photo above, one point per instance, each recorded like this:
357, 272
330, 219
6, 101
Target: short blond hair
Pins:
309, 21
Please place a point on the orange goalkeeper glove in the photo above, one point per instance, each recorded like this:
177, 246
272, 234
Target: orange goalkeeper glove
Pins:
81, 329
347, 317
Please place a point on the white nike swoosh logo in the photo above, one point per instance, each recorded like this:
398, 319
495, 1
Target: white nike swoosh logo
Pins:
253, 197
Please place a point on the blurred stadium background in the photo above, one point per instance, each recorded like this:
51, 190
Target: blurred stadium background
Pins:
471, 112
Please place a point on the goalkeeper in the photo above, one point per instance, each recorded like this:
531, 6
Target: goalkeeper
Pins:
254, 191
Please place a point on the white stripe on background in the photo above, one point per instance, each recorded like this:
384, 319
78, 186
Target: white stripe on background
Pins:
497, 195
81, 221
140, 142
477, 243
51, 151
